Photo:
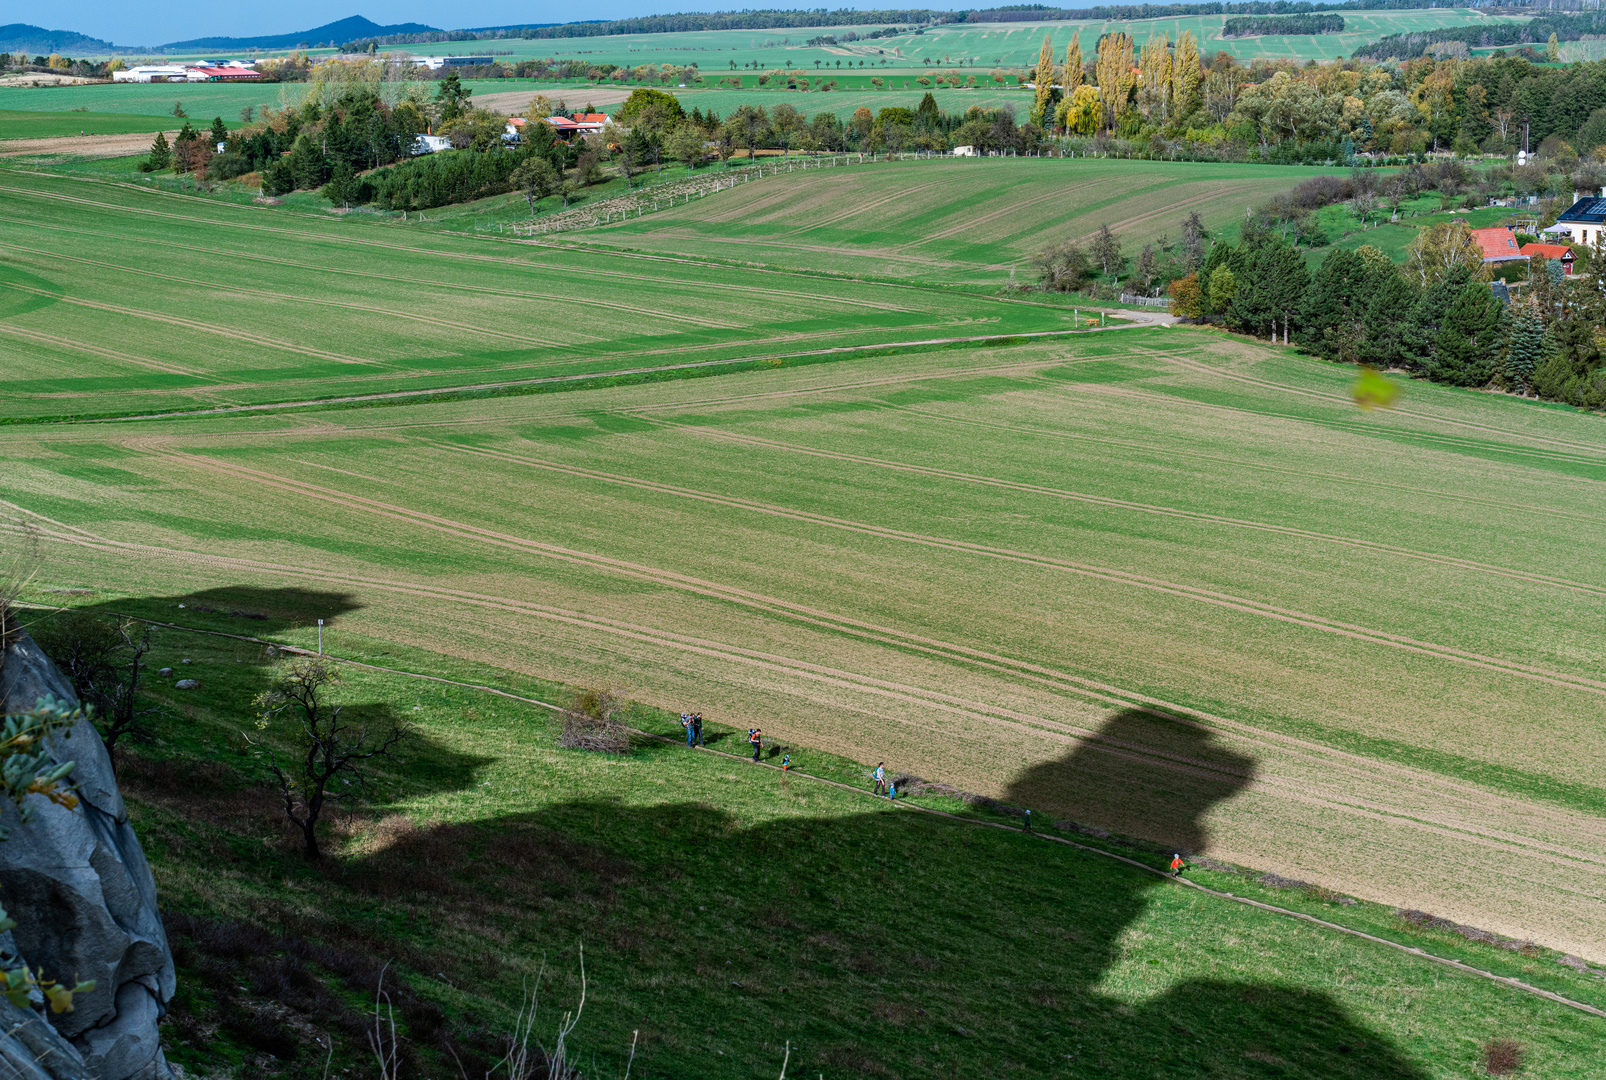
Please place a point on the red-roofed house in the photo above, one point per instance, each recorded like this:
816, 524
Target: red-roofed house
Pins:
1561, 252
1498, 245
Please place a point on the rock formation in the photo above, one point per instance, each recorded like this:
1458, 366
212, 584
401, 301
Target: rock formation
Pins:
78, 886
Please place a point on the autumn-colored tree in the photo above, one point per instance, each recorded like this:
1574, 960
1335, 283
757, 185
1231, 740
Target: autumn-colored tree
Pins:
1187, 300
1045, 81
1079, 114
1437, 250
1154, 85
1115, 70
1073, 65
1186, 78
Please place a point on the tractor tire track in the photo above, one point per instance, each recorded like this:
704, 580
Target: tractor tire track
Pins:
1154, 756
1209, 597
1145, 508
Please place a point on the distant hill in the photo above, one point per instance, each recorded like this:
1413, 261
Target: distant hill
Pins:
352, 29
21, 37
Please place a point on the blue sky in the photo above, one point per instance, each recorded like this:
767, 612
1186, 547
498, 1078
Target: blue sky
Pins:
148, 22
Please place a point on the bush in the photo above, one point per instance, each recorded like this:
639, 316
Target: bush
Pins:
594, 723
228, 166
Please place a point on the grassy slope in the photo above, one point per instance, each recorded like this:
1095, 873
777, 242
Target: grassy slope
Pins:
726, 910
316, 307
953, 220
1125, 509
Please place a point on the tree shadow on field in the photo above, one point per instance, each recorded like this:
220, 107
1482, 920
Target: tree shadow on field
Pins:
248, 610
1157, 778
874, 938
881, 944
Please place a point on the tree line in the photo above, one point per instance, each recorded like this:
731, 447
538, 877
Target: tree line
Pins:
1166, 97
1285, 24
1560, 26
1435, 317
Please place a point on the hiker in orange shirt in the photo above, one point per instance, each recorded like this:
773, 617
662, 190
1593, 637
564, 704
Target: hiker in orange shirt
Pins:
1176, 864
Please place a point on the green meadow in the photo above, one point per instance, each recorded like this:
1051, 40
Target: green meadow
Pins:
116, 296
970, 221
731, 916
45, 125
792, 456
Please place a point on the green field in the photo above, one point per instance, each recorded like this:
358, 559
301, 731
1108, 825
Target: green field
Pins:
730, 915
931, 555
985, 44
45, 125
1158, 581
972, 221
206, 100
115, 295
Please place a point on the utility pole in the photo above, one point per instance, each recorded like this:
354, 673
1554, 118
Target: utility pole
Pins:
320, 637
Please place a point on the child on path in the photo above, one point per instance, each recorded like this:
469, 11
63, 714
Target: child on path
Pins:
880, 777
786, 761
756, 737
892, 791
1176, 864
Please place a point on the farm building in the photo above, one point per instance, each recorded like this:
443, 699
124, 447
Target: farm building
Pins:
1560, 252
149, 73
226, 73
566, 128
1499, 246
435, 63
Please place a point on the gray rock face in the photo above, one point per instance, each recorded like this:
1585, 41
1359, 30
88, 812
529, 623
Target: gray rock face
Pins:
77, 884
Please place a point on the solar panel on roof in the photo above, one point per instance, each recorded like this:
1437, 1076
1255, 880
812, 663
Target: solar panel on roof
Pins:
1598, 206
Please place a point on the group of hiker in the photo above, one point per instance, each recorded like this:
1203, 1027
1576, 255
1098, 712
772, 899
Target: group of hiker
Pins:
693, 723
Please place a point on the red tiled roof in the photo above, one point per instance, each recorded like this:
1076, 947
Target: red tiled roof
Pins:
1498, 244
1549, 251
234, 72
591, 118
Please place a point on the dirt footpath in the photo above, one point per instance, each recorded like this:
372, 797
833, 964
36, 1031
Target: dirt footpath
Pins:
94, 146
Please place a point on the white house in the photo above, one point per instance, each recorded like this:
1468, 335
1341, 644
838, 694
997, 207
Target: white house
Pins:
428, 144
966, 151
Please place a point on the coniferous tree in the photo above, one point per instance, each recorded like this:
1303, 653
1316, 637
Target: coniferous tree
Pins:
1390, 302
1569, 369
341, 190
1337, 297
1470, 339
1420, 332
452, 98
220, 133
161, 154
1525, 346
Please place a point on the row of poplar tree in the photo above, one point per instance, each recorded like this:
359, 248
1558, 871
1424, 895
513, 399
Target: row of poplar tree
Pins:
1446, 323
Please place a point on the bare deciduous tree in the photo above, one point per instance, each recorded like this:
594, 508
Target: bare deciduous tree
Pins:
1106, 248
329, 748
102, 657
